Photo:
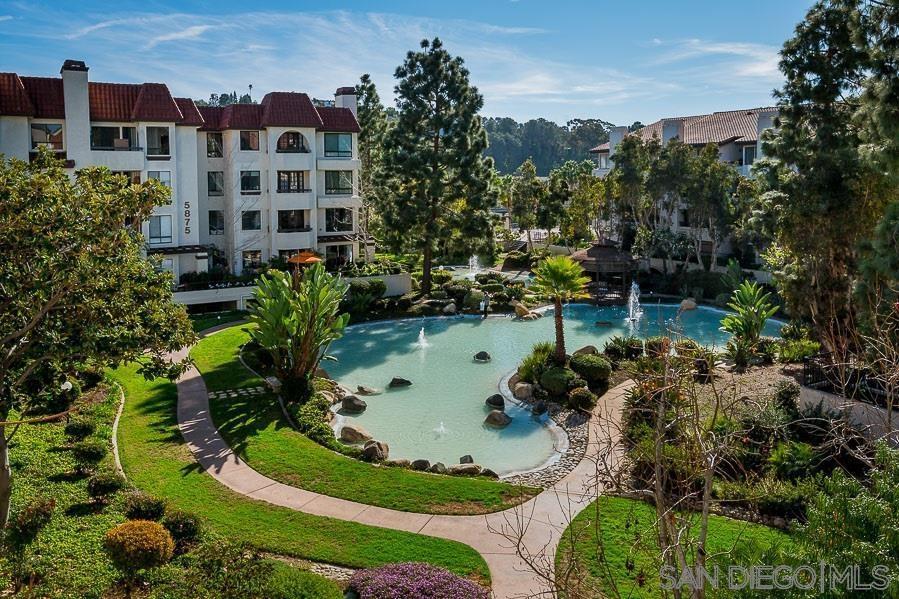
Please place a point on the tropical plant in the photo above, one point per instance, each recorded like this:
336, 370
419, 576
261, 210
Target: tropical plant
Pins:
297, 317
561, 279
751, 310
535, 363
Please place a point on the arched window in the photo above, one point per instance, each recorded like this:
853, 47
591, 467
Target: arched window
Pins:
292, 141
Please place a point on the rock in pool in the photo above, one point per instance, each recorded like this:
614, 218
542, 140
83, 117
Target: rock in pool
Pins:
482, 356
351, 434
466, 459
352, 404
496, 401
375, 451
420, 465
399, 381
363, 390
497, 419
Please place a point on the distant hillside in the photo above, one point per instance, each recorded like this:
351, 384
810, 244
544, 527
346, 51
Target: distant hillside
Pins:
546, 143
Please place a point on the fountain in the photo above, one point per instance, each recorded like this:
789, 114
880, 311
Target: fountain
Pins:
422, 339
440, 431
473, 265
634, 311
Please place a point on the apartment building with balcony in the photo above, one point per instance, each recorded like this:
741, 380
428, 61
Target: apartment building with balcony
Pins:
249, 182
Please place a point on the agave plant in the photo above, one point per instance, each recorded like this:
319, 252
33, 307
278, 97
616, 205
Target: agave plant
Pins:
297, 317
560, 279
751, 309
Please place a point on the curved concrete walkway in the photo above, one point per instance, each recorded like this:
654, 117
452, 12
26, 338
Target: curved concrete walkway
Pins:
543, 519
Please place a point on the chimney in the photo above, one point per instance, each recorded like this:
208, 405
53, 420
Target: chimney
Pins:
77, 110
672, 128
345, 97
616, 134
765, 122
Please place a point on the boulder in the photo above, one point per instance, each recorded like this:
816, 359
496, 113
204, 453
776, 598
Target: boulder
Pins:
351, 433
489, 473
497, 419
450, 309
330, 396
400, 463
466, 459
420, 465
482, 356
273, 383
464, 470
375, 451
352, 404
437, 468
521, 310
587, 349
531, 316
688, 304
496, 402
363, 390
539, 408
524, 391
399, 381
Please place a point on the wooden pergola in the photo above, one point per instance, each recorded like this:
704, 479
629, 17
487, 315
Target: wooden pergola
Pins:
611, 269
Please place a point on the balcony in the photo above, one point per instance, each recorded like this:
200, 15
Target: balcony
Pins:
336, 163
291, 239
339, 201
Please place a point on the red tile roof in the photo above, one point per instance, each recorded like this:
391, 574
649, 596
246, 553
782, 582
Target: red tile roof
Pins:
46, 97
155, 103
241, 116
338, 119
212, 117
289, 109
191, 115
14, 100
112, 101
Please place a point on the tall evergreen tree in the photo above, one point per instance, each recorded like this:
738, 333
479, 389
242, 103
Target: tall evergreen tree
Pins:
527, 195
433, 159
373, 122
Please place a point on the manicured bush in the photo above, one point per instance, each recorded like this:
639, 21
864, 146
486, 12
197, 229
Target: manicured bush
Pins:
404, 303
558, 380
581, 398
485, 278
359, 287
516, 259
492, 288
472, 300
535, 363
502, 298
377, 287
438, 293
183, 526
24, 526
88, 453
103, 484
143, 506
80, 427
658, 346
413, 581
312, 420
790, 351
793, 460
766, 349
516, 291
594, 369
439, 277
138, 545
620, 348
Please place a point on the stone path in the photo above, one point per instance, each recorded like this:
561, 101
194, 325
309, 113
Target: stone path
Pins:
542, 519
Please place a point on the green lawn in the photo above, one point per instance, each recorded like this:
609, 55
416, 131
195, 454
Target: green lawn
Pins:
201, 322
256, 430
627, 533
156, 459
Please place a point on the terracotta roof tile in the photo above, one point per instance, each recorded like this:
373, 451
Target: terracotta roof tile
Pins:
338, 119
46, 96
289, 109
14, 100
241, 116
112, 101
212, 117
189, 113
155, 103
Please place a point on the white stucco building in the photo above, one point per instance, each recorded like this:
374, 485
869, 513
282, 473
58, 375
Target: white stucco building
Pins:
249, 181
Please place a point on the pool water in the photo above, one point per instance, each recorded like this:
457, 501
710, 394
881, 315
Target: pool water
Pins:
440, 417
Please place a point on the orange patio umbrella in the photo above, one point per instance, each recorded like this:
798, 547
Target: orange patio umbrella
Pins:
304, 259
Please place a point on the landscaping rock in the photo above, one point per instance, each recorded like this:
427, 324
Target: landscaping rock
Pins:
587, 349
400, 463
524, 391
353, 404
363, 390
531, 316
437, 468
466, 459
521, 310
375, 451
420, 465
688, 304
489, 473
464, 470
273, 383
482, 356
399, 381
331, 397
496, 402
352, 434
450, 309
497, 419
539, 408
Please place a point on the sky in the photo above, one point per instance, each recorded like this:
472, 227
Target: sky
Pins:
620, 61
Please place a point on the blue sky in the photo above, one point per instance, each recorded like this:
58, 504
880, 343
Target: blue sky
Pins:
616, 60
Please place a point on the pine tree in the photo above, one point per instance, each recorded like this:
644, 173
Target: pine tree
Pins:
373, 122
436, 181
527, 195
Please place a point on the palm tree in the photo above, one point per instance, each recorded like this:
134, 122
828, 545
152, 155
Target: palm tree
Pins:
562, 279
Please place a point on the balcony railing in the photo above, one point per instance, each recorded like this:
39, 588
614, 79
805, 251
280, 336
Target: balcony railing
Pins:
305, 229
303, 150
293, 190
117, 148
339, 191
338, 153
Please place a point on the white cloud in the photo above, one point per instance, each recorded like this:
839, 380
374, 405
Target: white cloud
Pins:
739, 59
190, 33
5, 18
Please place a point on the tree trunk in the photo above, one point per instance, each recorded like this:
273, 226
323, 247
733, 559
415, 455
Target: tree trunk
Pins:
530, 243
5, 478
560, 333
426, 269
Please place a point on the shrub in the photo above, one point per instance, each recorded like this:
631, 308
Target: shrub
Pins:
138, 545
687, 348
28, 522
485, 278
782, 498
581, 398
103, 484
143, 506
312, 420
516, 291
80, 427
793, 460
413, 581
439, 277
786, 399
595, 369
88, 453
501, 298
438, 293
558, 380
293, 583
516, 259
790, 351
404, 303
492, 288
766, 349
535, 363
472, 299
658, 346
183, 526
795, 331
377, 288
359, 287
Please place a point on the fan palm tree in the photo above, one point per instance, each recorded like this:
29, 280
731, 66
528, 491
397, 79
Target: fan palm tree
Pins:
561, 279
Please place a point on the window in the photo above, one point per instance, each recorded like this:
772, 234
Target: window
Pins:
249, 182
216, 222
46, 135
339, 182
251, 220
683, 217
249, 140
603, 161
113, 138
161, 229
292, 141
338, 219
287, 254
291, 182
215, 183
214, 145
133, 176
338, 255
292, 221
158, 141
339, 145
167, 264
164, 177
252, 259
748, 155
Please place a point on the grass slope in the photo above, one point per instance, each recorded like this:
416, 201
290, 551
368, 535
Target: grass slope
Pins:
208, 320
626, 530
156, 459
255, 429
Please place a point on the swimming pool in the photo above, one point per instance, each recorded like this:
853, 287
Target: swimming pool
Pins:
440, 417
